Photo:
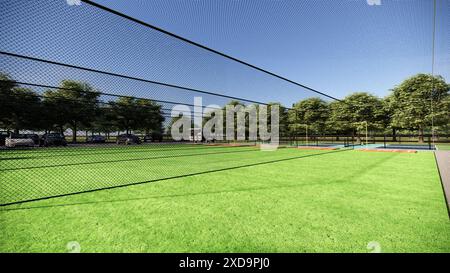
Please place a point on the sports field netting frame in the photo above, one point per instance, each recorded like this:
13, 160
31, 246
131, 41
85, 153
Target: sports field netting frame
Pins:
47, 62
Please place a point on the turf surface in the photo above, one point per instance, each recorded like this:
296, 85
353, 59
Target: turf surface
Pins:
445, 147
317, 201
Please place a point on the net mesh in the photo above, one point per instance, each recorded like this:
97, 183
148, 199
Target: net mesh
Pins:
116, 60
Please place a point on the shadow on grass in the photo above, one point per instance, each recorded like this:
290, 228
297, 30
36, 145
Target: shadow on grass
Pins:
172, 196
118, 150
158, 180
126, 160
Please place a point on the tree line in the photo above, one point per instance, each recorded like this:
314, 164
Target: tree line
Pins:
415, 105
74, 105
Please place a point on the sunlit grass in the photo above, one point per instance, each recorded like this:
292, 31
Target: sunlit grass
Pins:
332, 202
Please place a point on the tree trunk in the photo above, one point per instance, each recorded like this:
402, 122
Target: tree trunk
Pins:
74, 133
420, 135
394, 134
358, 137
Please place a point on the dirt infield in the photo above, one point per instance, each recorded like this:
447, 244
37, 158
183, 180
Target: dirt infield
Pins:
443, 163
389, 150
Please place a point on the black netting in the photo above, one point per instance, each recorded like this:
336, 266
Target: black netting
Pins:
83, 69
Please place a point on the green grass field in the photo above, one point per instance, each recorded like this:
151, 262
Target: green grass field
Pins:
445, 147
302, 201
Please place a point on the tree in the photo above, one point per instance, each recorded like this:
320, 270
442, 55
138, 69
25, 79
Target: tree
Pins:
336, 123
312, 112
357, 111
418, 100
26, 108
19, 107
137, 114
150, 116
105, 121
73, 103
7, 99
442, 115
126, 113
389, 109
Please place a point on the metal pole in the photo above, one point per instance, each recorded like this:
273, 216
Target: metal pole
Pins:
429, 142
306, 134
367, 143
296, 128
432, 71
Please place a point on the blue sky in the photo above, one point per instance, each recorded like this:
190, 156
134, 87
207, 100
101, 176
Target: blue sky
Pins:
337, 47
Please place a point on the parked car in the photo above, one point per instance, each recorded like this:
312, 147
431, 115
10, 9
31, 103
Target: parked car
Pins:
15, 140
96, 139
53, 139
153, 137
3, 136
128, 139
34, 137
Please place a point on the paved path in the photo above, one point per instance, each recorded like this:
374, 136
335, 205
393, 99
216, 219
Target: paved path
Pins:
443, 162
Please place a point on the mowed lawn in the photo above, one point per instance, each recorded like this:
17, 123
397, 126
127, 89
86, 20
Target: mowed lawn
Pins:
302, 201
445, 147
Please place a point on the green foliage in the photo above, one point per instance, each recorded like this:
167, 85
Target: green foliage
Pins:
312, 112
138, 114
74, 103
411, 106
6, 101
356, 111
419, 99
27, 108
19, 107
150, 116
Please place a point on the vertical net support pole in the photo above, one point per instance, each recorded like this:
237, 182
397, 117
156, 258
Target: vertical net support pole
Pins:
306, 136
296, 128
367, 139
429, 142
